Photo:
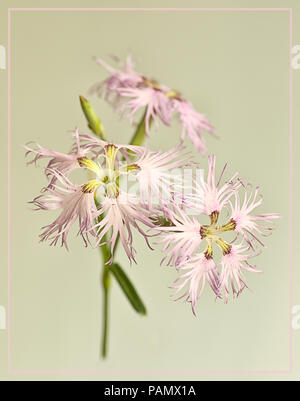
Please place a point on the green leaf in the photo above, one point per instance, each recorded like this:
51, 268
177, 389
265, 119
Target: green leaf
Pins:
93, 120
128, 288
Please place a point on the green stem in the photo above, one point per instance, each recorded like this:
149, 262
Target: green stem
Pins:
105, 325
106, 286
106, 283
138, 139
140, 134
96, 127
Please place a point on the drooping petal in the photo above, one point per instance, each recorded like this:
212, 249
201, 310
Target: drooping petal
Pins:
251, 226
209, 195
156, 103
193, 124
75, 204
125, 77
233, 264
62, 162
119, 215
182, 239
158, 176
195, 273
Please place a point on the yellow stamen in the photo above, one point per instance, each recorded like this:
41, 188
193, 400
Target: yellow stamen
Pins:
230, 226
110, 153
152, 83
172, 94
213, 230
112, 190
214, 218
91, 186
133, 168
209, 250
91, 166
225, 247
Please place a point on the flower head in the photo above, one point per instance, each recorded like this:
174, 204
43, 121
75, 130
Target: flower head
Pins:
103, 208
192, 246
133, 91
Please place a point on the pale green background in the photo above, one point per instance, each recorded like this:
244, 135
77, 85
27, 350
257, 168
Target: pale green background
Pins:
234, 67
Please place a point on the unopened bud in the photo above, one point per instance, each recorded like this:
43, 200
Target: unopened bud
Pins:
93, 120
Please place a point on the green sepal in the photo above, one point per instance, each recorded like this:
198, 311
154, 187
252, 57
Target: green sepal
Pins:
93, 120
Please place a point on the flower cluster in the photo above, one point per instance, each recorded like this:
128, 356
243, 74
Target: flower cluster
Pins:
104, 209
191, 247
132, 91
131, 187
